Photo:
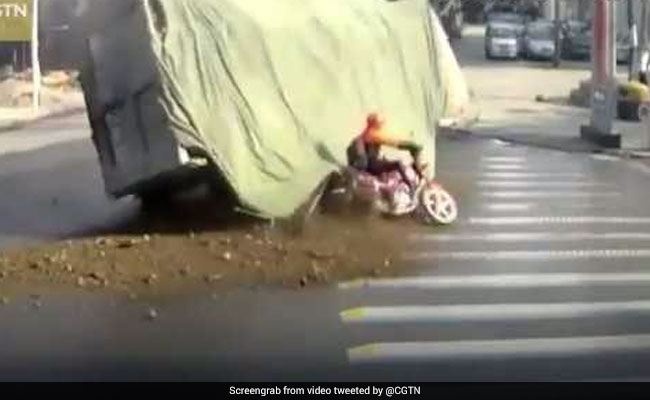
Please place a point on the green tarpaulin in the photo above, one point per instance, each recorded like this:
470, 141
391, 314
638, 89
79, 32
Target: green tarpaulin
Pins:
274, 90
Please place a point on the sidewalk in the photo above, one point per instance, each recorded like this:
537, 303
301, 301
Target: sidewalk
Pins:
506, 93
17, 118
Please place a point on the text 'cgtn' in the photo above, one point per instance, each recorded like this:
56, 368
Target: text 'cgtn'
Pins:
14, 10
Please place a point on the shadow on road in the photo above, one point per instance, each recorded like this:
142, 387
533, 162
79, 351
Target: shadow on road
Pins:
53, 192
57, 192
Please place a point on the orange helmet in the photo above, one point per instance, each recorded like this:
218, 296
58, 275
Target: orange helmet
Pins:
374, 123
374, 120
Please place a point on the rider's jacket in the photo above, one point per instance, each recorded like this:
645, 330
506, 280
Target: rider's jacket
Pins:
364, 149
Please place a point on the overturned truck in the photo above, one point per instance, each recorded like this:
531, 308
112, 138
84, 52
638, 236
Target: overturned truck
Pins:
265, 95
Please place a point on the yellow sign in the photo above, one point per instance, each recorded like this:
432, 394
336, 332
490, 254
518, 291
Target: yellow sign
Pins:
16, 20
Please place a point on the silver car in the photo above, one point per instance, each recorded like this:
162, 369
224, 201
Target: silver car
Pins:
501, 40
623, 47
539, 40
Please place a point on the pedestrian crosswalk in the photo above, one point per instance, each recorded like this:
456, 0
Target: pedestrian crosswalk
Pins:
509, 224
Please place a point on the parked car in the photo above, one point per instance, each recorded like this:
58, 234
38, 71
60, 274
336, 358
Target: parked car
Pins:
623, 47
508, 17
576, 40
539, 40
501, 40
514, 19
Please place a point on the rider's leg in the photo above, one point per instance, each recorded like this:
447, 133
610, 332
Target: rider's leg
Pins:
380, 166
402, 170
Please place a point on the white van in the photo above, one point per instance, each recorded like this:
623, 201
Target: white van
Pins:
501, 40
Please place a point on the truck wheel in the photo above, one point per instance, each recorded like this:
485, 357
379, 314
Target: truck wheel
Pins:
155, 201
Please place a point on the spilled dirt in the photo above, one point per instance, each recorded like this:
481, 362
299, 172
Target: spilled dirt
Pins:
199, 246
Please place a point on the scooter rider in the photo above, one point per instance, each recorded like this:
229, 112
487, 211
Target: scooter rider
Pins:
364, 151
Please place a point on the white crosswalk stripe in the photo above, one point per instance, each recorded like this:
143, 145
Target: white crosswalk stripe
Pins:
504, 167
532, 175
558, 220
533, 236
604, 157
504, 281
537, 184
532, 255
485, 349
520, 207
547, 194
510, 206
503, 159
492, 312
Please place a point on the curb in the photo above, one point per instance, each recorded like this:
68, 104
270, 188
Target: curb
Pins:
629, 154
632, 155
540, 144
14, 126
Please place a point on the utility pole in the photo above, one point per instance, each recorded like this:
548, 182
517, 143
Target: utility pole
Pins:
612, 34
36, 64
603, 81
634, 39
558, 50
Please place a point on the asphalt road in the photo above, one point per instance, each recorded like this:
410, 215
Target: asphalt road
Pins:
545, 277
51, 183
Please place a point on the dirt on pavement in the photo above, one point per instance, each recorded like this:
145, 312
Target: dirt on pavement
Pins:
190, 249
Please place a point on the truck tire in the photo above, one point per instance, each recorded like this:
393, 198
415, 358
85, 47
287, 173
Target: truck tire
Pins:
154, 200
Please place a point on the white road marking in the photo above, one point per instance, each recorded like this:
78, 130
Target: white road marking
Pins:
532, 236
492, 312
604, 157
536, 194
509, 206
503, 281
538, 184
533, 255
558, 220
491, 349
524, 206
502, 143
503, 159
504, 167
522, 175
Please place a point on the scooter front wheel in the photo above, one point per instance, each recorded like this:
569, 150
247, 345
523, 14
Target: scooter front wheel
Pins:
439, 206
